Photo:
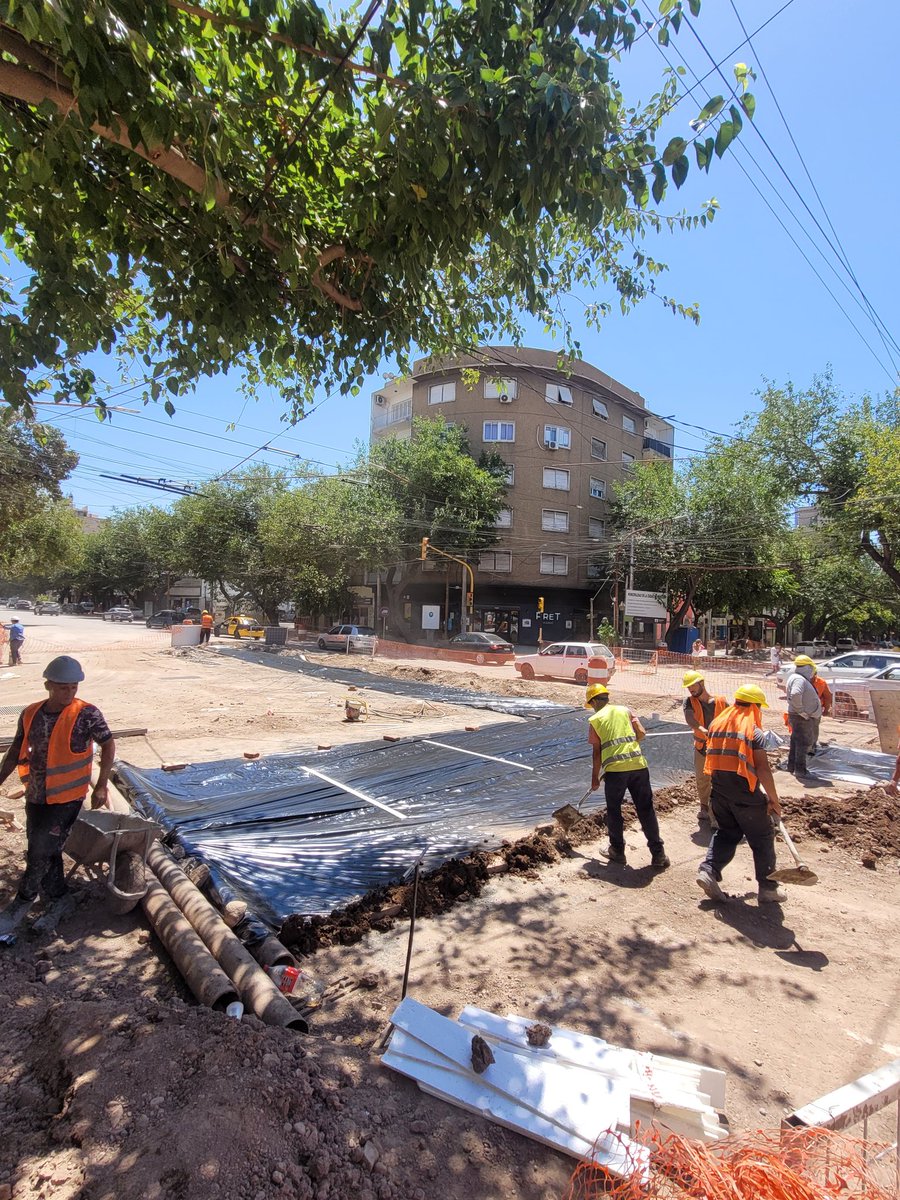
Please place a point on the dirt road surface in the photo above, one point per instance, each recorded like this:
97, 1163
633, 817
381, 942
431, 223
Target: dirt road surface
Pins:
113, 1083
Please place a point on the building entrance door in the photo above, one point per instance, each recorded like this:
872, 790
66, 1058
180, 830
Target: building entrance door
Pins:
504, 622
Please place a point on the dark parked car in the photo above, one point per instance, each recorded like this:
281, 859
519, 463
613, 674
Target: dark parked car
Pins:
486, 643
166, 618
48, 608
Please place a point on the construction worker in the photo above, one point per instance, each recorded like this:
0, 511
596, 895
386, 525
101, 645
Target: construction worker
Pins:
699, 709
53, 752
616, 757
804, 714
206, 624
744, 799
825, 697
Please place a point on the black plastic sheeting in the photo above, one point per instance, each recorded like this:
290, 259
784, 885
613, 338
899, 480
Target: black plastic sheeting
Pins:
512, 706
288, 842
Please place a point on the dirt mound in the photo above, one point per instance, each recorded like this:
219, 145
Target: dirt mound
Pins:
866, 822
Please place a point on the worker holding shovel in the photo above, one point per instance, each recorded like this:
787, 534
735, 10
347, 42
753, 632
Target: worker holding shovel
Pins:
744, 799
615, 739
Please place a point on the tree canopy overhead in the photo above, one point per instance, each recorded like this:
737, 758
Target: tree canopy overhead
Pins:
247, 183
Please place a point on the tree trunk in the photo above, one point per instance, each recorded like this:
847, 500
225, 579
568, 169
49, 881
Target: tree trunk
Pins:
675, 622
394, 595
883, 557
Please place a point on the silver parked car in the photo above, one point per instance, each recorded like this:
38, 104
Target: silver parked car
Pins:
852, 696
861, 664
348, 637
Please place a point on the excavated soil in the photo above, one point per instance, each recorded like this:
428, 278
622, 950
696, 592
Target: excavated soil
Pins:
866, 822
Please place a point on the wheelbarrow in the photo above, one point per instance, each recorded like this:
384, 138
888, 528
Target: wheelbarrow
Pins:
100, 836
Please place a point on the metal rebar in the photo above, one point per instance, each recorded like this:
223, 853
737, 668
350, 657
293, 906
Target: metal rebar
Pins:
412, 927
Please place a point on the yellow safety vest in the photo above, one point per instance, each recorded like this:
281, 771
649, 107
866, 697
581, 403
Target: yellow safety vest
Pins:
619, 747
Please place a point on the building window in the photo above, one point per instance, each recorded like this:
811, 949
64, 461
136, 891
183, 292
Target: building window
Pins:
598, 488
628, 424
627, 460
495, 388
495, 560
504, 519
558, 480
596, 527
599, 409
399, 412
558, 436
554, 564
598, 449
556, 393
594, 570
555, 520
441, 393
499, 431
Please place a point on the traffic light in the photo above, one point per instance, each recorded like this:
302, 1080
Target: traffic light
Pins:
469, 599
424, 549
540, 606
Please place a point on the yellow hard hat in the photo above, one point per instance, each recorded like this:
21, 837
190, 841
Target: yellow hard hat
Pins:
690, 678
751, 694
592, 690
803, 660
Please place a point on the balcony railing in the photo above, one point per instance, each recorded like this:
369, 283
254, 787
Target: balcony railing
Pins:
662, 448
394, 415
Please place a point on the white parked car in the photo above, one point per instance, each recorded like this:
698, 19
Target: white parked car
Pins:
564, 660
814, 649
861, 664
344, 637
852, 696
120, 612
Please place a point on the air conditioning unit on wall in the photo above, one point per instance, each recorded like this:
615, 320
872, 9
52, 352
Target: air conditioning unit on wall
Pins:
504, 399
550, 445
379, 400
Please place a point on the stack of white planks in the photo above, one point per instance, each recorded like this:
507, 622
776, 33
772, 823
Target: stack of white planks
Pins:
577, 1093
577, 1110
671, 1093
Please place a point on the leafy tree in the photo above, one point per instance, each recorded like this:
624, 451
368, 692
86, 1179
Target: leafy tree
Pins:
430, 486
259, 186
134, 551
34, 461
843, 458
45, 549
708, 531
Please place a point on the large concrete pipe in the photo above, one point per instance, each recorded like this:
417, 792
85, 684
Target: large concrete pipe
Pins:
203, 975
271, 953
256, 989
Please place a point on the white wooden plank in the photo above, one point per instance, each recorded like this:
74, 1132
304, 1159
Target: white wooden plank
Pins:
584, 1050
578, 1099
618, 1154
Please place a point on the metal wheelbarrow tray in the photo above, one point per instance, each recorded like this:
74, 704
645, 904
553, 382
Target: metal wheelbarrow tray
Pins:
100, 836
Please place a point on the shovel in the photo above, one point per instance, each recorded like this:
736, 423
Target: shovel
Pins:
568, 815
800, 873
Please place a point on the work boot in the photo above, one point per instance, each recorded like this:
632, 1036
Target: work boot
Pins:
771, 893
703, 816
707, 881
660, 860
616, 857
54, 912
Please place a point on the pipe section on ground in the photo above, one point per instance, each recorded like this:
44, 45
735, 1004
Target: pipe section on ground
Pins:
256, 989
203, 975
271, 953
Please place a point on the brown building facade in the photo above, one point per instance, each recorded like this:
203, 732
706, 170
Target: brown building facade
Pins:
568, 436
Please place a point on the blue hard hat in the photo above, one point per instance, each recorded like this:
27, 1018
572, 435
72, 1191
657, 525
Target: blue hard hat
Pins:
64, 670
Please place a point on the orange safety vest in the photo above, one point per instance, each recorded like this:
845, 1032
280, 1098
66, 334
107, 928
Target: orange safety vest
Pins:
729, 746
720, 705
68, 771
206, 621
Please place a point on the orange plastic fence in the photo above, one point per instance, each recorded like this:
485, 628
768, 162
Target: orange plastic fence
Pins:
807, 1164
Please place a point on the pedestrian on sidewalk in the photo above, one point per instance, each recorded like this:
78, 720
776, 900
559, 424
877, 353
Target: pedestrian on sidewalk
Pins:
206, 624
775, 654
615, 737
744, 798
53, 750
804, 714
16, 631
700, 708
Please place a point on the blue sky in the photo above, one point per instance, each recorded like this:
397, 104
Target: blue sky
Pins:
764, 312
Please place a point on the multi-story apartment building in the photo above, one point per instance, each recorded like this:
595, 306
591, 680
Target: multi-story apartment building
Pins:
568, 436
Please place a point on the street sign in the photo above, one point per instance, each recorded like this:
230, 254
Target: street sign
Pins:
647, 605
384, 612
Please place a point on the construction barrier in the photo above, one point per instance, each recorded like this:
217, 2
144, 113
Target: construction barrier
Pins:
598, 671
386, 649
640, 662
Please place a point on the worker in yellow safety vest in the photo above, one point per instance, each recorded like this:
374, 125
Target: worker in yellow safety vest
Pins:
53, 751
616, 757
743, 796
699, 709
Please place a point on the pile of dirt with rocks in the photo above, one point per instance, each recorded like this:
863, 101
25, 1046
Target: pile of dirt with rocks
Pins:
866, 822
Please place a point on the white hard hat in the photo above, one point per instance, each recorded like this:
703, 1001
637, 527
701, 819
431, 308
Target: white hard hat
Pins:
64, 670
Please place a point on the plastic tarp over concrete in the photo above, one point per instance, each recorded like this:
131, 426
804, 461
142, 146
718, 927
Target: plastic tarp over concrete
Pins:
289, 841
850, 765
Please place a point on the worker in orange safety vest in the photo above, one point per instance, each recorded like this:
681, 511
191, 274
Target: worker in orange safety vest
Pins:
53, 751
699, 709
744, 798
206, 624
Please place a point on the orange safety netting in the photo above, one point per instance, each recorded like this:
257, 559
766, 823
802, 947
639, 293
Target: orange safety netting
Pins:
807, 1164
